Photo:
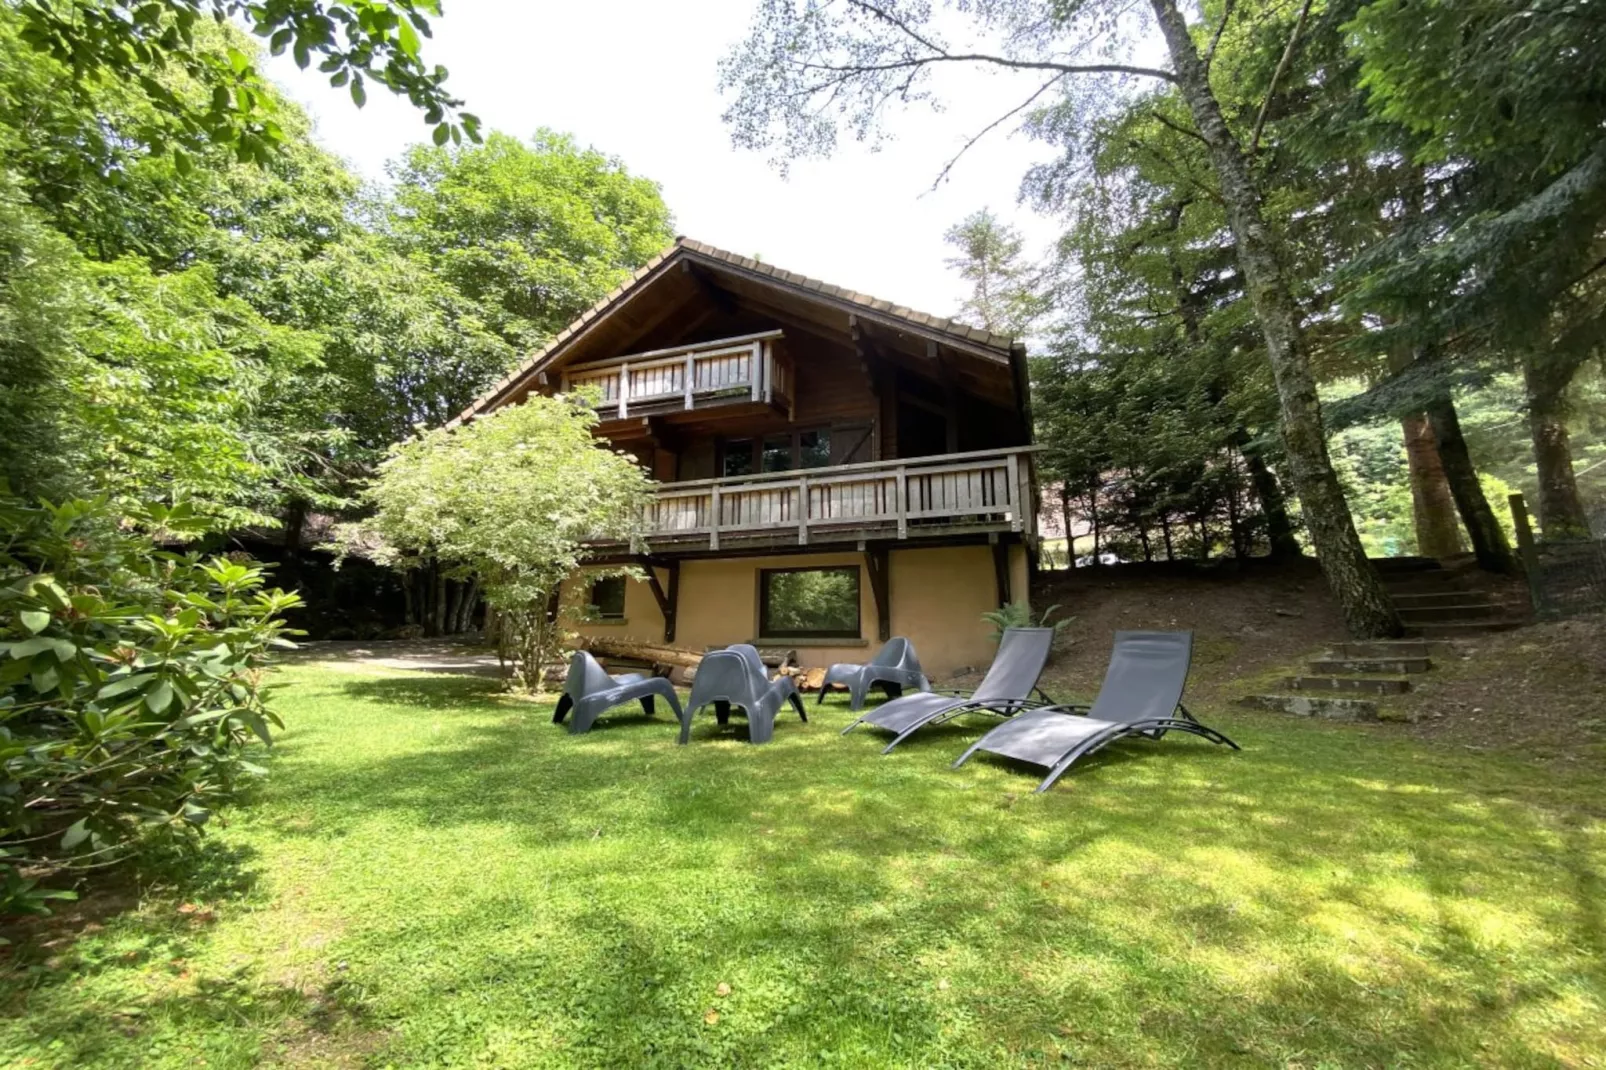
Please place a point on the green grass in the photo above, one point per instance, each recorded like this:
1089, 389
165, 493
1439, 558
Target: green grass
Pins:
437, 876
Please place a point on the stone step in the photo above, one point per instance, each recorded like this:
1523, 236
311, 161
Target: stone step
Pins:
1346, 666
1419, 599
1460, 629
1448, 614
1334, 709
1423, 583
1389, 648
1372, 685
1406, 564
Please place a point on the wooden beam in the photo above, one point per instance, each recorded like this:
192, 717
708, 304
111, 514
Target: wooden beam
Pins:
950, 395
1001, 570
875, 560
668, 601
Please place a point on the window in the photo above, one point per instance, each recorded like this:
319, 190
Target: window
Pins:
813, 449
808, 603
608, 598
777, 453
737, 457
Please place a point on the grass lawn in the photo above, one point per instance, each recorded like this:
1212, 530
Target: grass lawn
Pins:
435, 875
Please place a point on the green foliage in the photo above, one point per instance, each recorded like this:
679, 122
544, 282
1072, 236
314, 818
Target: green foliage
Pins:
131, 684
533, 234
1019, 615
1005, 292
511, 498
145, 42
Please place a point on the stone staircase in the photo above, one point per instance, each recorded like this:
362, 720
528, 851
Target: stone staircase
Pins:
1351, 682
1436, 602
1348, 682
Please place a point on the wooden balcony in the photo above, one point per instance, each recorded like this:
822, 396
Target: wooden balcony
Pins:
750, 370
984, 491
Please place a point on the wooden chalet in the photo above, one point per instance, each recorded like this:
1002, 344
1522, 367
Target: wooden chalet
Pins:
834, 469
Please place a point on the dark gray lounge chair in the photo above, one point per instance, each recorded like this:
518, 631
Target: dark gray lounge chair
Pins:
735, 677
589, 691
1141, 696
1005, 690
894, 667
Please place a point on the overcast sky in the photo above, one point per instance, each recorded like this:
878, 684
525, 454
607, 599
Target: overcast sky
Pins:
637, 79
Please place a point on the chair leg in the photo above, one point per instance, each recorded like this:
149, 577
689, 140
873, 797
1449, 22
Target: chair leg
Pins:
797, 704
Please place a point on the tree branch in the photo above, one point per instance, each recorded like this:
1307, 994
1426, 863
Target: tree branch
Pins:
1163, 121
1276, 75
942, 176
996, 61
1215, 38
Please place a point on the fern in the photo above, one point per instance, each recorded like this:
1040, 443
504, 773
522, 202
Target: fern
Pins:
1019, 615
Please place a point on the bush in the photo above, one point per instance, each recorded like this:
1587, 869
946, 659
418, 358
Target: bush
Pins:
1019, 615
130, 687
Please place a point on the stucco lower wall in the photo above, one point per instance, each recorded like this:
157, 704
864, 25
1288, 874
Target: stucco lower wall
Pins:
937, 594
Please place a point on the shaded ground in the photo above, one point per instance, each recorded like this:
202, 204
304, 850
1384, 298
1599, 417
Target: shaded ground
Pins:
1246, 621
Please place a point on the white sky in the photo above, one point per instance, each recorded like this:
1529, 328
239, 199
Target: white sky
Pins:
636, 79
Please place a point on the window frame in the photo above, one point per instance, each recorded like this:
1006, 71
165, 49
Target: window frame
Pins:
591, 598
765, 632
755, 448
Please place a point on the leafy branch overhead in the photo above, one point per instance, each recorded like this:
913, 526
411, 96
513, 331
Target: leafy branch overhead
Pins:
146, 42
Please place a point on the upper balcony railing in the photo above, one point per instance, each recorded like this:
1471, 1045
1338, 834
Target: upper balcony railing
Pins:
987, 490
731, 370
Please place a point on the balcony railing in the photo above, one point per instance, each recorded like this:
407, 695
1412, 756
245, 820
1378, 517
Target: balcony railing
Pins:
985, 490
732, 370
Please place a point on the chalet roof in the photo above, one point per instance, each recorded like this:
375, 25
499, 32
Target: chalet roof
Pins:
951, 333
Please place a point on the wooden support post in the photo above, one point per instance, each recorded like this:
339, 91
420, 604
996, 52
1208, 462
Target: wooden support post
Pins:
876, 564
803, 511
950, 397
1001, 568
691, 379
1016, 506
624, 391
903, 502
713, 526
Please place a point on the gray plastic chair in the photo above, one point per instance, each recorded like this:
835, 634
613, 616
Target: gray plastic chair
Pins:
1141, 696
735, 677
589, 691
1005, 690
894, 667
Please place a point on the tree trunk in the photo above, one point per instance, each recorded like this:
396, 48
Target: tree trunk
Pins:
1433, 510
437, 607
1093, 517
1355, 582
454, 596
409, 610
1165, 533
1561, 512
1483, 527
1065, 515
465, 609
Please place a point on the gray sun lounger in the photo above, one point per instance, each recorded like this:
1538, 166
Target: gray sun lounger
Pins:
589, 691
1141, 696
735, 677
894, 667
1004, 691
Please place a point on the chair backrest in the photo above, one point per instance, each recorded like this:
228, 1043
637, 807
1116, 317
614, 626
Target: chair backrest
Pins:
1147, 673
1022, 653
893, 653
755, 661
724, 674
586, 677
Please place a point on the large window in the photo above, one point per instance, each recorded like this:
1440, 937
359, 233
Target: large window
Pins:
808, 603
775, 453
608, 598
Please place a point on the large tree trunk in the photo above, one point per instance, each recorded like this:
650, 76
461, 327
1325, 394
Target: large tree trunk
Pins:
1355, 582
1433, 511
1561, 512
1489, 543
1273, 506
